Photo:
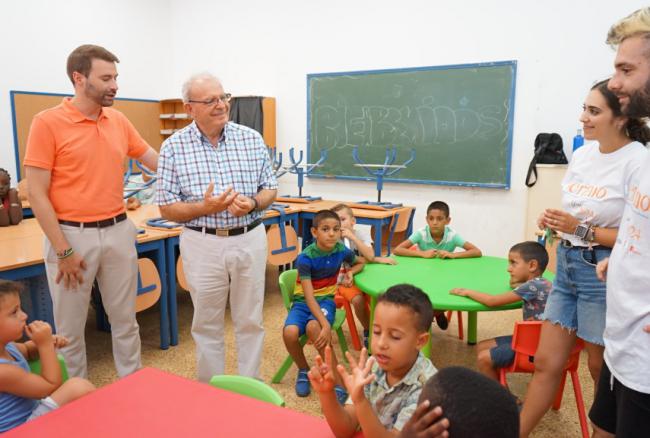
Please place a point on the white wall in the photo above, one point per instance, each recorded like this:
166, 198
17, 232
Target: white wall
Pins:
36, 38
268, 48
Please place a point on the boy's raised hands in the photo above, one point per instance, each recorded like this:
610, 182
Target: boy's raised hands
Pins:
360, 374
321, 375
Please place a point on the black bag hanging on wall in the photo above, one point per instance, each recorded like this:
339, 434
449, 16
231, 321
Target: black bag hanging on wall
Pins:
548, 150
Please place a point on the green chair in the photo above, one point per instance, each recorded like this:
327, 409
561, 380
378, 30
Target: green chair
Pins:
35, 367
249, 387
287, 283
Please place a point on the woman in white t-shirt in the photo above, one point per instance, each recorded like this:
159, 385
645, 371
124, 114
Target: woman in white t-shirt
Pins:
593, 197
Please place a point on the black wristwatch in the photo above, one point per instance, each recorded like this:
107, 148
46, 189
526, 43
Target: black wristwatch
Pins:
583, 231
255, 205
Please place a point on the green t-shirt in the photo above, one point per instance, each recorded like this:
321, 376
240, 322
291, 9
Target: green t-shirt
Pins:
450, 240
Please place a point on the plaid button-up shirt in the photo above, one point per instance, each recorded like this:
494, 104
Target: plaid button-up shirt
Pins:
188, 162
394, 405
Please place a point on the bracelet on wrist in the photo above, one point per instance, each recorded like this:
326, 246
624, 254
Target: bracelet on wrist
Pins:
255, 204
64, 254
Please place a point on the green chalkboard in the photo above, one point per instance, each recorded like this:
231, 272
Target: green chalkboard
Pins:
457, 118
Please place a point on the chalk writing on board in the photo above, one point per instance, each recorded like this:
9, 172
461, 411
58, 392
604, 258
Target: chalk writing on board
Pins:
427, 124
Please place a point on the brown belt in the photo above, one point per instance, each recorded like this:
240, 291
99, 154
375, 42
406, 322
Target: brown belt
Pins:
96, 224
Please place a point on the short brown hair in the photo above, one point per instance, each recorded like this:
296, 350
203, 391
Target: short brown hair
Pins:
81, 58
8, 287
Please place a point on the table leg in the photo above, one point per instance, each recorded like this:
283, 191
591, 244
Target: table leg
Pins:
170, 245
164, 313
377, 239
371, 318
472, 327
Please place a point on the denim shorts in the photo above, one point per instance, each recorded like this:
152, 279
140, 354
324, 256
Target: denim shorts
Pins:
299, 314
577, 300
502, 355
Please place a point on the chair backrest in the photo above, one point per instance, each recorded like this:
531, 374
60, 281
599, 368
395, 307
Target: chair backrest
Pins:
278, 254
287, 282
525, 341
402, 218
35, 367
398, 225
180, 274
249, 387
149, 285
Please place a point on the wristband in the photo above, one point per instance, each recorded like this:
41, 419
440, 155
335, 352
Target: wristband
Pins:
255, 205
64, 254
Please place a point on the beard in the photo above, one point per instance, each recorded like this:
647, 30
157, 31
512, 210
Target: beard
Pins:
638, 105
100, 98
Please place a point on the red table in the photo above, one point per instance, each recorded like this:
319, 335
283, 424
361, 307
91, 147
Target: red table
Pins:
153, 403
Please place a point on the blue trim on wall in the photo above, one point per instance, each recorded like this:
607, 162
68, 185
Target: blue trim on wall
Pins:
511, 115
12, 93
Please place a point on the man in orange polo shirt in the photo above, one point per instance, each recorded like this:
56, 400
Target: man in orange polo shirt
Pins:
74, 164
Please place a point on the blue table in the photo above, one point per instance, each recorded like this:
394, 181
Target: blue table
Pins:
29, 265
376, 218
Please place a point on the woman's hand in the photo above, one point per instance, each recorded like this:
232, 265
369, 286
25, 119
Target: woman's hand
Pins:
558, 220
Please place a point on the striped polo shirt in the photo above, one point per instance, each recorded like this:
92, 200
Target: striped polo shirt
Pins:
322, 268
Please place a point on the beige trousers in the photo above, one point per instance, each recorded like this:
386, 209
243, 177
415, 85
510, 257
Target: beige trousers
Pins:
216, 268
111, 258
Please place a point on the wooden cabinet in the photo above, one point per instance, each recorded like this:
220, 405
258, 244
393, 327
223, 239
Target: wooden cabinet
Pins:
173, 117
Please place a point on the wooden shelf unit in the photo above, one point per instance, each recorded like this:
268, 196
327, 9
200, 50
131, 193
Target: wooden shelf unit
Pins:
172, 117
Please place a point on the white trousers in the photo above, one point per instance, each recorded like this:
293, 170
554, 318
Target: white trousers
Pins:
216, 267
110, 257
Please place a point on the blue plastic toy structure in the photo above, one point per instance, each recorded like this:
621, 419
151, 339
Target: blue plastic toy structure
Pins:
382, 170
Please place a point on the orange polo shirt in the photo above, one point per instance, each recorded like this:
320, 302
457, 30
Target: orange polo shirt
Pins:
86, 158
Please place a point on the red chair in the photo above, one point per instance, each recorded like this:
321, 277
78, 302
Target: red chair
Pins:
460, 322
524, 343
340, 301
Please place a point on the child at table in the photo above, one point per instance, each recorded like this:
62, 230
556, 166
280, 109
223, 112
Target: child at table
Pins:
359, 241
437, 239
385, 387
313, 308
11, 209
24, 395
526, 263
458, 394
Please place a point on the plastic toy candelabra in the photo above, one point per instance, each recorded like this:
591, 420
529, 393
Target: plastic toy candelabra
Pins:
131, 188
301, 170
380, 171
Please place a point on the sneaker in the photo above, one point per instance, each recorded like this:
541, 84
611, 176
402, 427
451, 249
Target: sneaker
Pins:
441, 320
341, 394
366, 333
302, 383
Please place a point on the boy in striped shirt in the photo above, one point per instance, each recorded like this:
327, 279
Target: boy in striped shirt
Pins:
313, 308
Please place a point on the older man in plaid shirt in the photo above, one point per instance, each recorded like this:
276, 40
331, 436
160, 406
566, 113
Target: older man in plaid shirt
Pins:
215, 177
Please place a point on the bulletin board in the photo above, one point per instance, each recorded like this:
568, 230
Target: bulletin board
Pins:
144, 115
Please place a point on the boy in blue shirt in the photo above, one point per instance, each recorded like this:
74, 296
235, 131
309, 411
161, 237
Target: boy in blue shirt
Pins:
526, 263
313, 308
24, 395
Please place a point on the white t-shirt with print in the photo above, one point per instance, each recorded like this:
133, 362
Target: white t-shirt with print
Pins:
595, 185
627, 346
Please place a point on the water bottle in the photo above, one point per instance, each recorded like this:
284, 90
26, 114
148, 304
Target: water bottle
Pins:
578, 140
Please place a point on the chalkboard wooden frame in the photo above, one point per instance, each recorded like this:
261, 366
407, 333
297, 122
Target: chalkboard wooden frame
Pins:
510, 66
